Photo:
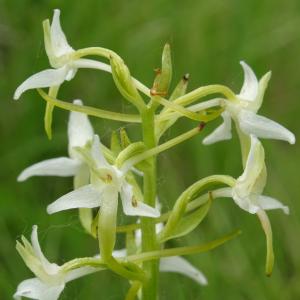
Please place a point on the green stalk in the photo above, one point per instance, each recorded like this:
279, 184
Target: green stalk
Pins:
99, 264
149, 242
89, 110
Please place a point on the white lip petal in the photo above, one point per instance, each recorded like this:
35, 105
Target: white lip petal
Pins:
43, 79
86, 196
221, 133
250, 87
35, 289
83, 63
262, 127
268, 203
59, 42
61, 166
80, 130
179, 265
133, 207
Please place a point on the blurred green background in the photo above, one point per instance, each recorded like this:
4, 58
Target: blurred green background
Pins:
208, 40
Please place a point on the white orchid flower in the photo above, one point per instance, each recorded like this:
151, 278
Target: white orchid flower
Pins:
244, 113
107, 181
80, 132
247, 192
50, 278
61, 58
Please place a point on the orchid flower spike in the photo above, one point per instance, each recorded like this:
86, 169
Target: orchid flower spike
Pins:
50, 278
80, 132
107, 181
61, 58
244, 113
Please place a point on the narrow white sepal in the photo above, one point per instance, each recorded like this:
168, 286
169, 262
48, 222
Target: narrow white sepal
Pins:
80, 130
61, 166
34, 288
59, 41
262, 127
179, 265
84, 63
43, 79
133, 207
269, 203
221, 133
250, 87
84, 197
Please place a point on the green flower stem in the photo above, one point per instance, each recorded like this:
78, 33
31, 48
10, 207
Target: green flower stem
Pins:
152, 255
158, 149
103, 52
180, 109
182, 250
117, 267
165, 116
205, 91
91, 111
132, 292
179, 208
149, 242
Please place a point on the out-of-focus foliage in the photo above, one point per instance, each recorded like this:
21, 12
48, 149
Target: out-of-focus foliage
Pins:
208, 39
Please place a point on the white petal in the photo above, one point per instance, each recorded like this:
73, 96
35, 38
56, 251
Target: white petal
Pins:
80, 272
250, 86
255, 161
179, 265
268, 203
262, 86
262, 127
97, 153
221, 133
59, 42
80, 130
133, 207
35, 289
49, 268
86, 196
61, 166
46, 78
91, 64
